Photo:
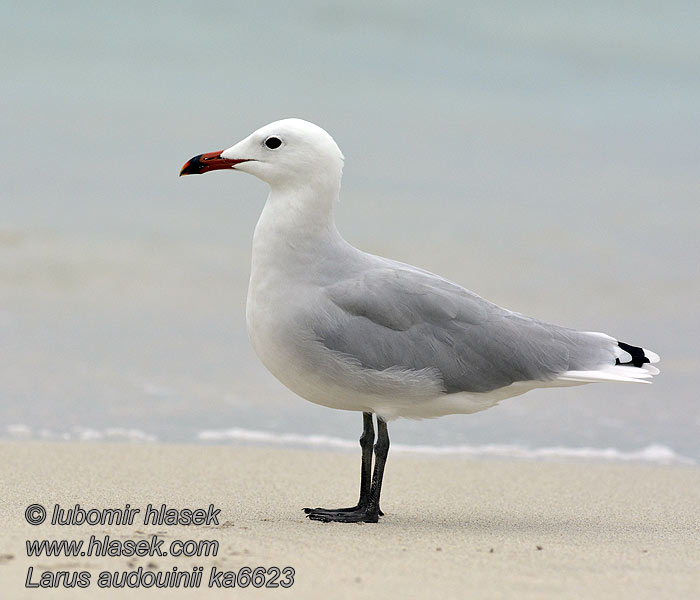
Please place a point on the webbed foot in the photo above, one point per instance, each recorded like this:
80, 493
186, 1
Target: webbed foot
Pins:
353, 514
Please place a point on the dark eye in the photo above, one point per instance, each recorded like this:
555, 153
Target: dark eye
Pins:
273, 142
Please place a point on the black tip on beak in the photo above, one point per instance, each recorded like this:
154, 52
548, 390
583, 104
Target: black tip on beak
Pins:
210, 161
194, 166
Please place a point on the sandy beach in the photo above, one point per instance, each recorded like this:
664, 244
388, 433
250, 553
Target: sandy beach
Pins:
454, 528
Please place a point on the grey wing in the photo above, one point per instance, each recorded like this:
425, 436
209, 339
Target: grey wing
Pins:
396, 316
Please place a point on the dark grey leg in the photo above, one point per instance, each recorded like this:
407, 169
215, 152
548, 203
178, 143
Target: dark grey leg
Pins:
381, 451
366, 442
367, 508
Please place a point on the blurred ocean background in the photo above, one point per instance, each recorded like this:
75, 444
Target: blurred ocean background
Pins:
543, 154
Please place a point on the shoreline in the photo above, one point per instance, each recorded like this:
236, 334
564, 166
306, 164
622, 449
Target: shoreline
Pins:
456, 528
655, 453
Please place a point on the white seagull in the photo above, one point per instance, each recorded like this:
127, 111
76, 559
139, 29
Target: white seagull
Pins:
354, 331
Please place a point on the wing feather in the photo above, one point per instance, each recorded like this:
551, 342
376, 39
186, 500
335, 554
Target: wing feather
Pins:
395, 316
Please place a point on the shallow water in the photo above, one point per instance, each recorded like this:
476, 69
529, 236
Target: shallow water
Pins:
546, 158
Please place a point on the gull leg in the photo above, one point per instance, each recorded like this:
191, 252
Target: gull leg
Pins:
381, 451
355, 513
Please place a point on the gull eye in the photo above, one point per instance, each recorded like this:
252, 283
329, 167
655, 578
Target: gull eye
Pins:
273, 142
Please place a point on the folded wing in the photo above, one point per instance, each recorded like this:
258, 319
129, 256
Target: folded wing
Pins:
398, 316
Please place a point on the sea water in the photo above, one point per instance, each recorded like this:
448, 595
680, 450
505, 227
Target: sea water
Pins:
544, 155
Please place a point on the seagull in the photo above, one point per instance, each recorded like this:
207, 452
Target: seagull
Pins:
353, 331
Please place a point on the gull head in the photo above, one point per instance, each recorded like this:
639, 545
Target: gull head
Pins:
287, 152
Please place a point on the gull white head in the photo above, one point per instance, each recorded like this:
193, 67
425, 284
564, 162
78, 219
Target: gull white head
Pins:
290, 152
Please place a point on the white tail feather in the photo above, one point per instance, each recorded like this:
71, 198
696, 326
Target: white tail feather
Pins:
619, 373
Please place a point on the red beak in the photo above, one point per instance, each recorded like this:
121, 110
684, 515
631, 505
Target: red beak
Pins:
211, 161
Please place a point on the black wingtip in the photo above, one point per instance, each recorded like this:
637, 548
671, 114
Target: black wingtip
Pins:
638, 357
